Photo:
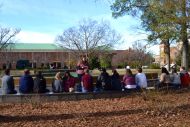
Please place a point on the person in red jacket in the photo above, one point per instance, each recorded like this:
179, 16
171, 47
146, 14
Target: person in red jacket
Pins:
185, 78
87, 82
68, 82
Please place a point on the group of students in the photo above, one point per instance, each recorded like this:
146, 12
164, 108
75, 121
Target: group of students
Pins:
114, 82
26, 83
174, 79
67, 83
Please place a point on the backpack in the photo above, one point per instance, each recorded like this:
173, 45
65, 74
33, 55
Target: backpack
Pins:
185, 79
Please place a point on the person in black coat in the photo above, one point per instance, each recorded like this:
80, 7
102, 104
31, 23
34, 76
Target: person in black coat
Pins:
115, 80
103, 81
40, 83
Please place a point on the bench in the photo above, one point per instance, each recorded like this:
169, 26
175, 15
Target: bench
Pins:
38, 98
35, 99
48, 97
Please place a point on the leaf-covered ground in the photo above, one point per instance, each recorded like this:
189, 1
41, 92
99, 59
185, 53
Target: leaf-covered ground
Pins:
142, 110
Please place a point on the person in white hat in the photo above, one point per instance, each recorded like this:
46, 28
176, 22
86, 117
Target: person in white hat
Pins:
128, 67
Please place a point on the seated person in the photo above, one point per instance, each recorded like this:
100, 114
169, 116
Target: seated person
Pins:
68, 82
103, 81
87, 82
26, 82
40, 83
184, 76
140, 79
57, 84
8, 86
129, 80
175, 79
164, 78
115, 80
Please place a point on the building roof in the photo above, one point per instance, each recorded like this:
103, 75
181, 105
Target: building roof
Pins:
35, 47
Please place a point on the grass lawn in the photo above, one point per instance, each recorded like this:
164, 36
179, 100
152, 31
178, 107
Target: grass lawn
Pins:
122, 71
93, 72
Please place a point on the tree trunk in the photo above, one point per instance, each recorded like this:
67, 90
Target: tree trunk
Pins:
185, 56
167, 53
184, 27
185, 46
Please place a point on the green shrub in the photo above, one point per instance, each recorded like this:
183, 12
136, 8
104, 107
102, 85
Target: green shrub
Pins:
105, 61
154, 66
94, 62
121, 65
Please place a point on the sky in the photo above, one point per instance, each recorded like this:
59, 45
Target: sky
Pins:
41, 21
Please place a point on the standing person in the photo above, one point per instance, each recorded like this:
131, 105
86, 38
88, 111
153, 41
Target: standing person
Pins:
140, 79
40, 83
8, 86
175, 79
68, 82
164, 78
85, 63
129, 80
26, 82
115, 80
87, 82
82, 64
80, 70
57, 84
184, 76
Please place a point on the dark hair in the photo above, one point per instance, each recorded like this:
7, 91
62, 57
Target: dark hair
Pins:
139, 70
26, 71
129, 72
164, 70
183, 67
39, 74
67, 72
115, 72
7, 71
174, 70
103, 69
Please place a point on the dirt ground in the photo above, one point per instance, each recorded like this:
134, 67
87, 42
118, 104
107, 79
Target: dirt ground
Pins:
150, 109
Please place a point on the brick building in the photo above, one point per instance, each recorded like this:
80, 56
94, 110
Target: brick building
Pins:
37, 54
174, 52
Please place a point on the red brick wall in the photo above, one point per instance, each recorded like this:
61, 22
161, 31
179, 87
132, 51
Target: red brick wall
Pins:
38, 57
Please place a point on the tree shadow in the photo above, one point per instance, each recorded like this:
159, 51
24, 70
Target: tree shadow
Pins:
31, 118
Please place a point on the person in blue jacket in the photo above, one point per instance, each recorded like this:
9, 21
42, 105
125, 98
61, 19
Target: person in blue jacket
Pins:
26, 82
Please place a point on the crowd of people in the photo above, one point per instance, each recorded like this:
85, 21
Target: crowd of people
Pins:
85, 83
174, 79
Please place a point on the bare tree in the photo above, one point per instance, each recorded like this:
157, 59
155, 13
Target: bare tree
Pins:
7, 36
134, 57
89, 36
